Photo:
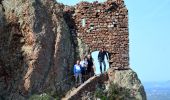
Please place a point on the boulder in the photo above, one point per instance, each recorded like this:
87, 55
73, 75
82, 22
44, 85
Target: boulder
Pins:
129, 80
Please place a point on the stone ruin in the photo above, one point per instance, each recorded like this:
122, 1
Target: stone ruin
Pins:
99, 25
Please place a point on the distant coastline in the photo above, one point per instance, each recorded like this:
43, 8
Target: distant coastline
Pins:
157, 90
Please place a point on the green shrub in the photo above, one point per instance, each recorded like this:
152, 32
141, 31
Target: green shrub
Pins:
100, 94
114, 92
43, 96
117, 92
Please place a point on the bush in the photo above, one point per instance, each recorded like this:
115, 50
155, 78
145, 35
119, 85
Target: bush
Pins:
117, 92
114, 92
43, 96
100, 94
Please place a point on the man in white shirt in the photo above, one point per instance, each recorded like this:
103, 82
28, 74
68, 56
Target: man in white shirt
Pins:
84, 64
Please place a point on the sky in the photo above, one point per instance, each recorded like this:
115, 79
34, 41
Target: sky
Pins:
149, 34
96, 62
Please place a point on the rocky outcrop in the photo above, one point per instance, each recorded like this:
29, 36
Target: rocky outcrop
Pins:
113, 85
39, 43
88, 86
36, 49
129, 80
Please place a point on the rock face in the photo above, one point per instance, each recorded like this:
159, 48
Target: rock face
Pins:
35, 47
88, 86
39, 42
116, 85
128, 79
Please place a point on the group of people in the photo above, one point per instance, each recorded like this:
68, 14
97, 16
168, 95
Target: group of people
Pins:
84, 68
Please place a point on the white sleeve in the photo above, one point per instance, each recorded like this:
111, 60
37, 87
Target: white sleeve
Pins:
82, 63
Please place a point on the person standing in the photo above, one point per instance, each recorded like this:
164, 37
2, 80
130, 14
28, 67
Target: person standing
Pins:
90, 70
77, 72
84, 64
101, 59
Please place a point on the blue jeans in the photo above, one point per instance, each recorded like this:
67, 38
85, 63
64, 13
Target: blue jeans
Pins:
78, 77
100, 62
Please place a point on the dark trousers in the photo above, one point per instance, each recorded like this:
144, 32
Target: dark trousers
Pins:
100, 62
83, 72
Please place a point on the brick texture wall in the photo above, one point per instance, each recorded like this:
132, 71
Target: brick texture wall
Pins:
102, 25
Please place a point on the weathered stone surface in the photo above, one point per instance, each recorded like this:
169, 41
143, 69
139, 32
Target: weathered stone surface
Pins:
39, 43
128, 79
89, 86
36, 49
1, 18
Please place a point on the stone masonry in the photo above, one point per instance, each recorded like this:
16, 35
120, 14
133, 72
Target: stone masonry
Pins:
101, 25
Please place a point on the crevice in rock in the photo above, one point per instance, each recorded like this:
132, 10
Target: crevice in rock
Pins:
67, 14
1, 1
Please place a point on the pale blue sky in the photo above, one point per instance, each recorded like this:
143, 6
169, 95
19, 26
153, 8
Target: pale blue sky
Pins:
149, 29
96, 62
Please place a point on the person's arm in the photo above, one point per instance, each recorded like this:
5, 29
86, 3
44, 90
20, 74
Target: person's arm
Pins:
81, 63
81, 67
107, 56
86, 63
99, 56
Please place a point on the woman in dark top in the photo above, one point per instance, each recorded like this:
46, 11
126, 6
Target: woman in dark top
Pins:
90, 70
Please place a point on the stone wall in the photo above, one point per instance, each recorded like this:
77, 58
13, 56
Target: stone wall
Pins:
101, 25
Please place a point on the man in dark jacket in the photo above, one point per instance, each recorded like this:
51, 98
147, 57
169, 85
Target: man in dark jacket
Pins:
101, 59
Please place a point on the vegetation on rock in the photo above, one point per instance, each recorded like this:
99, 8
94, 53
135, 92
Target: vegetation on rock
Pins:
43, 96
114, 92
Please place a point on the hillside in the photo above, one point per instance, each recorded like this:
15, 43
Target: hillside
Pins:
157, 90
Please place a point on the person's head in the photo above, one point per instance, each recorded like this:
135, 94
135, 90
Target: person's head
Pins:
88, 56
102, 49
85, 58
78, 62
